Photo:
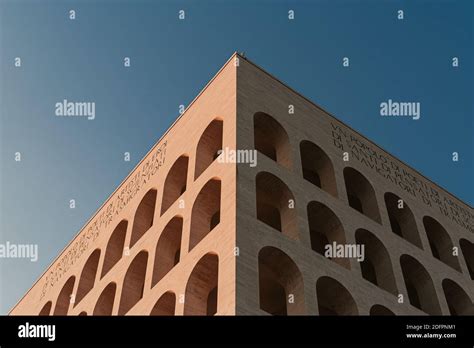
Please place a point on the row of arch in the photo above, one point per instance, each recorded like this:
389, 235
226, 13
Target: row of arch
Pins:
175, 183
279, 280
281, 289
273, 195
200, 294
272, 206
167, 252
205, 217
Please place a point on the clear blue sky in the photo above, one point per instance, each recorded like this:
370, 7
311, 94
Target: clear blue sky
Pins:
172, 60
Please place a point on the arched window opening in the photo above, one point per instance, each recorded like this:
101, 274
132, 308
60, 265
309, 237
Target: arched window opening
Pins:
368, 271
167, 249
212, 302
440, 243
205, 215
458, 300
355, 203
46, 310
64, 297
325, 229
334, 298
175, 183
467, 249
133, 283
376, 266
379, 310
395, 227
402, 220
165, 305
361, 194
105, 303
271, 139
412, 294
115, 247
276, 204
317, 167
89, 272
281, 286
208, 147
143, 216
420, 288
201, 290
177, 256
434, 250
215, 219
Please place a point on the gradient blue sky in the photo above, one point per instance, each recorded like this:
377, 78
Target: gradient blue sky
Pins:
172, 60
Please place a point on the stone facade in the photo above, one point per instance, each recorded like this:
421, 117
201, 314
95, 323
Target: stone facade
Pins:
187, 233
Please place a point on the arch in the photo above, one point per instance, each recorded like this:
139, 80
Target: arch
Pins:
89, 272
175, 183
361, 194
144, 215
105, 303
376, 266
458, 300
467, 249
420, 288
317, 167
273, 204
402, 220
379, 310
281, 288
46, 310
208, 147
82, 314
115, 246
325, 229
271, 139
334, 298
201, 290
168, 249
165, 304
206, 210
440, 243
64, 297
133, 283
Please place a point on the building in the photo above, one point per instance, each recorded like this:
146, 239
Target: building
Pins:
191, 232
